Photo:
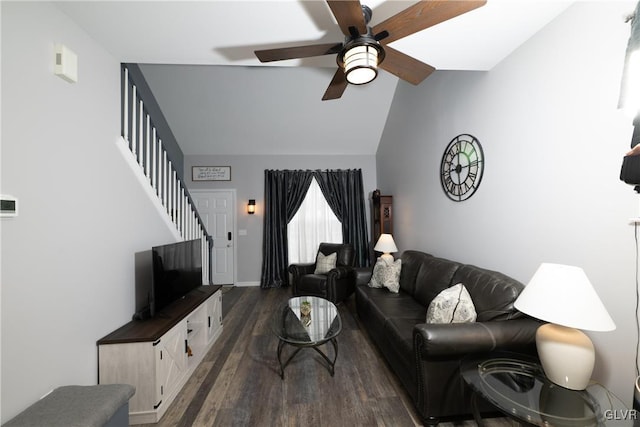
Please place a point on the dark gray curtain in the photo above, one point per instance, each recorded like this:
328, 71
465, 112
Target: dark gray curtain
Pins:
284, 192
344, 192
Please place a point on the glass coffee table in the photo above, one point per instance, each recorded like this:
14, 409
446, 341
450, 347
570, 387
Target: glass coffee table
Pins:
516, 385
307, 322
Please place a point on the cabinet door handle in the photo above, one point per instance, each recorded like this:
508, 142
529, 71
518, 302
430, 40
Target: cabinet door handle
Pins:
229, 235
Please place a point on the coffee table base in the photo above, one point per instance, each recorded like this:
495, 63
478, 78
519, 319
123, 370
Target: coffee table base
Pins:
331, 363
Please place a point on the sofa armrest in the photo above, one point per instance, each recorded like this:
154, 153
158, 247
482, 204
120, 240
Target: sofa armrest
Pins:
460, 339
340, 273
363, 275
301, 269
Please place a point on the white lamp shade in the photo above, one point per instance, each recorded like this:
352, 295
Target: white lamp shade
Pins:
562, 294
385, 244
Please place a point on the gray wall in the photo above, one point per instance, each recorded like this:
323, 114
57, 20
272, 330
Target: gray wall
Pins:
232, 110
553, 140
68, 258
247, 177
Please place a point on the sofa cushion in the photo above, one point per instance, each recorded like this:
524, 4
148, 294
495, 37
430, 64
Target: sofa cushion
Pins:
325, 263
411, 263
384, 304
492, 292
434, 276
452, 305
399, 352
345, 251
312, 284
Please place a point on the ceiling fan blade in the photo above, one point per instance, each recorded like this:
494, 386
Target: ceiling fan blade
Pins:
337, 86
405, 67
280, 54
422, 15
348, 13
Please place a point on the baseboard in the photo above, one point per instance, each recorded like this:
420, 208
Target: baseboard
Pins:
247, 284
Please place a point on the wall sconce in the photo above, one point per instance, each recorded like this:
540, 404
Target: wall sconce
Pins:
251, 206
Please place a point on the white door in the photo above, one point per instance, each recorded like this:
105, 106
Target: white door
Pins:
217, 210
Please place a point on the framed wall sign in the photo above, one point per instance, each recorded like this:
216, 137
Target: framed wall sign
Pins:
211, 173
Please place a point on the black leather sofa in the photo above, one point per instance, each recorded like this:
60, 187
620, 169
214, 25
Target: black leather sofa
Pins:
426, 357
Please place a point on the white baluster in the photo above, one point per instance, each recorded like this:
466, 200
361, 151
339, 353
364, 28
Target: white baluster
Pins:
194, 220
165, 202
159, 168
154, 165
140, 149
147, 149
170, 189
190, 222
125, 106
180, 207
176, 200
186, 213
134, 133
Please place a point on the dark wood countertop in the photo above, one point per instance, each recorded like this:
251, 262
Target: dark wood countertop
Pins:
153, 328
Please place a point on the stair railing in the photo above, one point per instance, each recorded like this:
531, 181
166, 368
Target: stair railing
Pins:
146, 144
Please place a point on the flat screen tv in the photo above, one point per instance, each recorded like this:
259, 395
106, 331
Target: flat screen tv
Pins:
176, 270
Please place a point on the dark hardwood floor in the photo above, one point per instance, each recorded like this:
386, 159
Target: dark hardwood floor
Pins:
238, 382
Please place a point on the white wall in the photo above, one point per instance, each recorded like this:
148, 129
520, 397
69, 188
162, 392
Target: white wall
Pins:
553, 141
68, 258
247, 177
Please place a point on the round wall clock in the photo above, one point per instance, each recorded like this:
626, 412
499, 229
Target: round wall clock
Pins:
462, 167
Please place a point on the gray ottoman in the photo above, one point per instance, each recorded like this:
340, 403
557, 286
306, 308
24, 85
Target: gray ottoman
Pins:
79, 406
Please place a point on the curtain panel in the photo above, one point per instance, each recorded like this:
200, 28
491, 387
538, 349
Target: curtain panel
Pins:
344, 192
284, 192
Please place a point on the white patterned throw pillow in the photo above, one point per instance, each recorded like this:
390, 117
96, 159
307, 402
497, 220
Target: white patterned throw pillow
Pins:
325, 263
453, 305
386, 275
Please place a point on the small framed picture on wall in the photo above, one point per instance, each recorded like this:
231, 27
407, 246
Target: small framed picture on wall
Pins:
211, 173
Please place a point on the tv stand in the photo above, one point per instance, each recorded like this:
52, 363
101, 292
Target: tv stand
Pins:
157, 355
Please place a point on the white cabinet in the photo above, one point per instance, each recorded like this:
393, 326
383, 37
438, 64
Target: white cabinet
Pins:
158, 355
172, 369
214, 316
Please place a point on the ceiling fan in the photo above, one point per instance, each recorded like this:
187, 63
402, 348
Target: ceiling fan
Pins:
365, 48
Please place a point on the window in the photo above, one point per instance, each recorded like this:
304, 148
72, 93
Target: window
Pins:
314, 223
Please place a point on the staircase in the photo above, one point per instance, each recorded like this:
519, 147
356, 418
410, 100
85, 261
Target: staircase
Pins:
154, 165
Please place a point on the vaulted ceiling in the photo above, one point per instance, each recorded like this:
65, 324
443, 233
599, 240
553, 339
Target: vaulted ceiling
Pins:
219, 99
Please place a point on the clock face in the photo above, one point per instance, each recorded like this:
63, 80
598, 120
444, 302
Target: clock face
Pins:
462, 167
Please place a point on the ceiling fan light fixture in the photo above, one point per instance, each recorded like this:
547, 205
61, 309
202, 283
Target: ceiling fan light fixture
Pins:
361, 64
360, 58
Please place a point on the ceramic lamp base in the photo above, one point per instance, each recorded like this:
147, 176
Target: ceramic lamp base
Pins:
387, 258
566, 354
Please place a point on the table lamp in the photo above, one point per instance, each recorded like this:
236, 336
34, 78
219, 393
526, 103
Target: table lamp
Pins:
563, 295
386, 245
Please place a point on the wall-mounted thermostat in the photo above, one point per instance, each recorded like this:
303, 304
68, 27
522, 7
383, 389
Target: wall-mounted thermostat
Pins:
8, 206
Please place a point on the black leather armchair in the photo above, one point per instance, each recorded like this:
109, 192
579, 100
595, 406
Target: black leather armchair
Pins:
335, 286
